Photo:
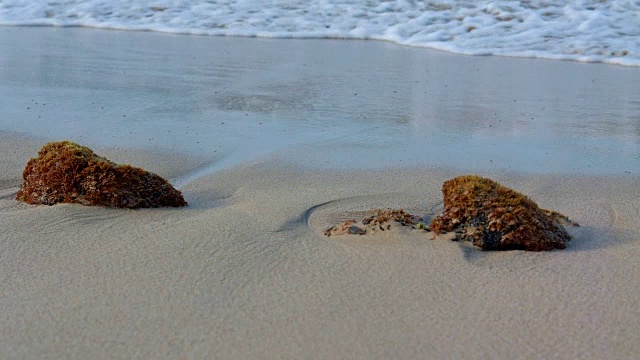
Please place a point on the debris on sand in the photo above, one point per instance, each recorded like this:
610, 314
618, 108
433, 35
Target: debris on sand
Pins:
381, 220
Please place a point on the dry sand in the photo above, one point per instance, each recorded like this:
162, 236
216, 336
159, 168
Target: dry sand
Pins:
245, 272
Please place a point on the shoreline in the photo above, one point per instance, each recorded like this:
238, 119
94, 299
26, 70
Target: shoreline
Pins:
566, 58
369, 105
245, 271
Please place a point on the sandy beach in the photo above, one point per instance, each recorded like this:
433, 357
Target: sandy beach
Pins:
245, 271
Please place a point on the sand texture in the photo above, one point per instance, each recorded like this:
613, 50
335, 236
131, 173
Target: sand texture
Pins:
246, 272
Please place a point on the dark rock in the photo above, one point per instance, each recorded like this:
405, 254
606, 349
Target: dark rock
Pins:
354, 230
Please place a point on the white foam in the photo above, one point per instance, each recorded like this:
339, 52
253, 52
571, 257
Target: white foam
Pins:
590, 31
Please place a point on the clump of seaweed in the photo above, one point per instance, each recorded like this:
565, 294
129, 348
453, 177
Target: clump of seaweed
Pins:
65, 172
494, 217
380, 220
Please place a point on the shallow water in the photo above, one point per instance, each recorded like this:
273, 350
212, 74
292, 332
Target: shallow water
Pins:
327, 103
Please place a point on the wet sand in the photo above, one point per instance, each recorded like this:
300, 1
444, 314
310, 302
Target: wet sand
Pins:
245, 272
344, 104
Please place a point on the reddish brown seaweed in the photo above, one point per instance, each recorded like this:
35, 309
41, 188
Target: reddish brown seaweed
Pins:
65, 172
380, 220
494, 217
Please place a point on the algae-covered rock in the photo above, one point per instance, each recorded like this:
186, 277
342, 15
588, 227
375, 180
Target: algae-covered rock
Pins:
65, 172
494, 217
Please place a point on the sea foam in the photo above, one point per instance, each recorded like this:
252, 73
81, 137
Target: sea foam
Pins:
589, 31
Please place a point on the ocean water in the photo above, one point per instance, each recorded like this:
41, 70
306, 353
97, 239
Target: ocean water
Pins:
583, 30
320, 103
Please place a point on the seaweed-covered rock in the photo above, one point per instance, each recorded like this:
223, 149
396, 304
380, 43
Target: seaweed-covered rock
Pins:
65, 172
494, 217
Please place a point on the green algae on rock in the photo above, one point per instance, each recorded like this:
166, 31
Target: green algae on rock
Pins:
494, 217
65, 172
